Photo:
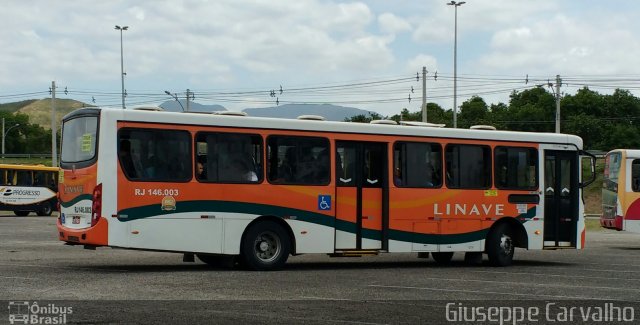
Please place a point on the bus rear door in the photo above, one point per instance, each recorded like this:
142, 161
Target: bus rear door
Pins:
561, 198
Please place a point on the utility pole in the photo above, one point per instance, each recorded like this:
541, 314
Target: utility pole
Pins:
424, 94
558, 84
54, 151
188, 96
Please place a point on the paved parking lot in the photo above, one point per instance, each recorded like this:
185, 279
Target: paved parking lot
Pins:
114, 286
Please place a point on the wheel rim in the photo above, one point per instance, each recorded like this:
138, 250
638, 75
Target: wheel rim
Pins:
267, 246
506, 244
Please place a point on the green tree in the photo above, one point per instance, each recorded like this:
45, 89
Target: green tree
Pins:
472, 112
361, 118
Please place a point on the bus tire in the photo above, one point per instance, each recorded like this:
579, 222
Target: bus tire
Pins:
21, 213
265, 246
45, 209
442, 257
500, 246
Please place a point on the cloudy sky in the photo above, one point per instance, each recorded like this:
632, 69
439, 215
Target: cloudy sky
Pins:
362, 54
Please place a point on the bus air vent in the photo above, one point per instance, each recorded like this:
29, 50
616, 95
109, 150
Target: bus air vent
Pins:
231, 113
387, 122
423, 124
149, 108
483, 127
311, 117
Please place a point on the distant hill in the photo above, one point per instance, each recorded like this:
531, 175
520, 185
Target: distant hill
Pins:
39, 111
328, 111
15, 106
174, 106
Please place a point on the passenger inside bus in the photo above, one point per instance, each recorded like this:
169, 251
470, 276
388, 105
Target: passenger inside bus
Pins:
287, 166
242, 171
126, 159
322, 166
201, 172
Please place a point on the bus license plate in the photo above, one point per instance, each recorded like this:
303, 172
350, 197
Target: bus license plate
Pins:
76, 220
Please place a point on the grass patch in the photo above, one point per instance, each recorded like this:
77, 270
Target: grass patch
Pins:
26, 161
593, 225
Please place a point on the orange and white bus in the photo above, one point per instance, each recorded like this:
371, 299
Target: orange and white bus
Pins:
262, 189
621, 191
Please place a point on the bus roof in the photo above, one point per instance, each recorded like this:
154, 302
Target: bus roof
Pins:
186, 118
29, 167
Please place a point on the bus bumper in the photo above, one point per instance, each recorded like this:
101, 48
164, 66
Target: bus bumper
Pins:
95, 236
612, 223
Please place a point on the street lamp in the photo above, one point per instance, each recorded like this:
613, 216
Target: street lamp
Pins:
4, 134
174, 96
455, 62
121, 29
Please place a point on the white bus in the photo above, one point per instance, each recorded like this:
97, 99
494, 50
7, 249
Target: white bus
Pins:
28, 188
261, 189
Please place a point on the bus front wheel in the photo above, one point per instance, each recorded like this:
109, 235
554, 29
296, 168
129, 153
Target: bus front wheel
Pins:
500, 246
21, 213
265, 246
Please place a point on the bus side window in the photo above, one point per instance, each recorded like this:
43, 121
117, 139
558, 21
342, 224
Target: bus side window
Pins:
25, 178
468, 166
635, 175
298, 160
417, 165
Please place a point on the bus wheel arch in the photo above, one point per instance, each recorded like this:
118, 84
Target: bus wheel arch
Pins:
502, 238
266, 243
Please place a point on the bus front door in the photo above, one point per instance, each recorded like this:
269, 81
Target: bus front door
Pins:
361, 187
560, 199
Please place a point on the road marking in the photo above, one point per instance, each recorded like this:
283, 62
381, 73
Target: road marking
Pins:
609, 264
533, 284
17, 277
304, 319
64, 267
557, 275
487, 292
323, 298
595, 270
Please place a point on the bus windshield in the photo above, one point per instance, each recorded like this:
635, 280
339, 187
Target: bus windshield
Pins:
79, 139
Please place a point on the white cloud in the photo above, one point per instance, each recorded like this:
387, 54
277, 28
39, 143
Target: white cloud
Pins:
392, 24
428, 61
564, 45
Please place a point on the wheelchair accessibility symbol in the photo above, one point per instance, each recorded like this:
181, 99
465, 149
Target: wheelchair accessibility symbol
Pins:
324, 202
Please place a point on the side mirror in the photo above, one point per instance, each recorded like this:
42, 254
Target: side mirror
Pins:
588, 165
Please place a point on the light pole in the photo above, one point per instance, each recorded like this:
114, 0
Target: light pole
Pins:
175, 96
121, 29
455, 61
4, 134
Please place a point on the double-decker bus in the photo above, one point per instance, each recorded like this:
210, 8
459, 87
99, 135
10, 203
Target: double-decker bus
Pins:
621, 191
261, 189
28, 188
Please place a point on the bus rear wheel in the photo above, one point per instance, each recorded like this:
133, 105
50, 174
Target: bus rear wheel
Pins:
442, 257
265, 246
45, 209
500, 246
21, 213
